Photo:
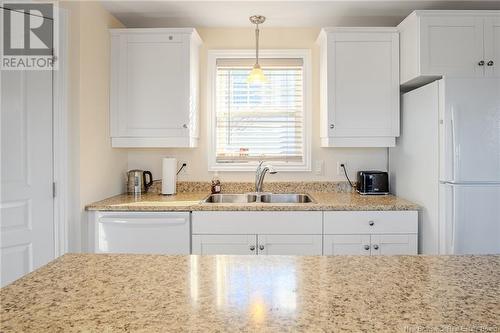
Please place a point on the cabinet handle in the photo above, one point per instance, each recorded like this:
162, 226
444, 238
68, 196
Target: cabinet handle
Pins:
372, 223
261, 247
332, 126
375, 247
184, 126
481, 63
490, 63
367, 247
252, 247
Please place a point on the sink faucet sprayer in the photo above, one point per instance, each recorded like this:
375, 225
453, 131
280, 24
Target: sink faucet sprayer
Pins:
260, 173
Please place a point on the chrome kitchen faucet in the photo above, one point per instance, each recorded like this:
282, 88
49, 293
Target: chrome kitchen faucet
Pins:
260, 173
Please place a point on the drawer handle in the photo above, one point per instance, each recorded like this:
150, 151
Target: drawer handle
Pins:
367, 247
252, 247
261, 247
481, 63
375, 247
490, 63
143, 222
372, 223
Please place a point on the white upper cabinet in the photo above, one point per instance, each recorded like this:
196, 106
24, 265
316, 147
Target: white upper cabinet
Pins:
492, 45
359, 87
453, 43
154, 87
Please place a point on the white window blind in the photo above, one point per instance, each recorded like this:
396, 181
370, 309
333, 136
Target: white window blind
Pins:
259, 121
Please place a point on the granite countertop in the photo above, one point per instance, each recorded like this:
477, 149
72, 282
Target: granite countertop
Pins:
191, 201
155, 293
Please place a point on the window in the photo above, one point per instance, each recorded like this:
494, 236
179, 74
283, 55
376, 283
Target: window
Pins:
254, 122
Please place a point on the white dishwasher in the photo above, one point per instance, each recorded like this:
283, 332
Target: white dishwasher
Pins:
140, 232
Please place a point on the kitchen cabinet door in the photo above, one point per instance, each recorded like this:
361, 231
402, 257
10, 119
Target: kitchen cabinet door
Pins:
154, 87
359, 87
492, 46
452, 45
346, 245
224, 244
307, 245
401, 244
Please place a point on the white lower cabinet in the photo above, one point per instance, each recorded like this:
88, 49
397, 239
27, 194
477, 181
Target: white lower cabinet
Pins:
255, 232
393, 244
224, 244
257, 244
280, 233
346, 244
306, 245
370, 244
139, 232
370, 233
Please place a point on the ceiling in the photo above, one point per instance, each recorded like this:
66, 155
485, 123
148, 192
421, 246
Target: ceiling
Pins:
134, 13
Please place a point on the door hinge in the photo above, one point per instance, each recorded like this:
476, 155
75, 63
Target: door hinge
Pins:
54, 189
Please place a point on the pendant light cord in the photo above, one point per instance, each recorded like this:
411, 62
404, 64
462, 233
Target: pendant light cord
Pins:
257, 44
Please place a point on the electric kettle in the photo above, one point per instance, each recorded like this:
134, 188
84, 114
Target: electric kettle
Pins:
136, 181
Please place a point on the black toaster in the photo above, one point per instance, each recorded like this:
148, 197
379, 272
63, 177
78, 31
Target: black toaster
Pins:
372, 182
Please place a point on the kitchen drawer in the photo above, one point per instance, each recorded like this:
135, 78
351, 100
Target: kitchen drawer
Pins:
370, 222
268, 222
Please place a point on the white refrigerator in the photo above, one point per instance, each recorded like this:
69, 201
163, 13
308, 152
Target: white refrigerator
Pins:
447, 160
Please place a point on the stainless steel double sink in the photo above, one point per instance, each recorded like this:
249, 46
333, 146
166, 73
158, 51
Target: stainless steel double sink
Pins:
259, 198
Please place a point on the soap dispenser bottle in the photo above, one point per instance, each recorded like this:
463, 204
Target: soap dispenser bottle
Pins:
216, 187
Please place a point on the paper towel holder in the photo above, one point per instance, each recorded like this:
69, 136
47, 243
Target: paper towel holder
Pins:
169, 176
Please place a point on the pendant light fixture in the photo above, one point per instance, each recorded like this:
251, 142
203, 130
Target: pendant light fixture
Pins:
257, 75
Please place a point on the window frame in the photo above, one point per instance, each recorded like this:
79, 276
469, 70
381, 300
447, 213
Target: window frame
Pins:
213, 55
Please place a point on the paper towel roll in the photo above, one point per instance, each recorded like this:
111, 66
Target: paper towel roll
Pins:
169, 176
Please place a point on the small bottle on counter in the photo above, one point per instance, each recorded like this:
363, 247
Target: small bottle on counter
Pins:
216, 187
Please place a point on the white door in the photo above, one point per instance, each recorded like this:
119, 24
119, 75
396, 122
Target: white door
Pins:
492, 46
305, 245
475, 219
452, 46
363, 69
403, 244
138, 232
224, 244
346, 245
153, 95
27, 217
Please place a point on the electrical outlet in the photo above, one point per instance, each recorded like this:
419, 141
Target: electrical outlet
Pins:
185, 170
340, 170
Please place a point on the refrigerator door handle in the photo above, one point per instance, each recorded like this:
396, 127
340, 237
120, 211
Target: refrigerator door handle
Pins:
454, 149
453, 222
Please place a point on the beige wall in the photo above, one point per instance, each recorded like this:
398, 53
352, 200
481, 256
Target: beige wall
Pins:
96, 170
272, 38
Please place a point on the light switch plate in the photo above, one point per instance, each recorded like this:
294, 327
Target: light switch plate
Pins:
319, 167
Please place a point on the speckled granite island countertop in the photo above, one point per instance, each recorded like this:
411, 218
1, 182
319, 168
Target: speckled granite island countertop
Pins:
154, 293
192, 202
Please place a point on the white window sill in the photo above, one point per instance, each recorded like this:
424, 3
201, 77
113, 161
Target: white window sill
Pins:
253, 167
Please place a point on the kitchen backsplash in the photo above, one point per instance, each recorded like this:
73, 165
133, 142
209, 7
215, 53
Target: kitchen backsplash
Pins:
244, 187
